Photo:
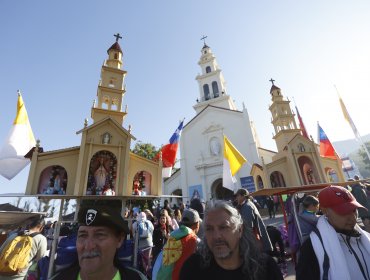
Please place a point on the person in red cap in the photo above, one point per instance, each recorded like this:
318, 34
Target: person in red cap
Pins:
337, 248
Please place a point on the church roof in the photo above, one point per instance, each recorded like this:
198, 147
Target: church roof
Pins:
115, 47
61, 150
271, 151
211, 106
205, 47
273, 88
257, 165
103, 120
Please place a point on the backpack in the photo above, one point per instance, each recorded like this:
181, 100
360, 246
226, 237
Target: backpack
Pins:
143, 229
16, 255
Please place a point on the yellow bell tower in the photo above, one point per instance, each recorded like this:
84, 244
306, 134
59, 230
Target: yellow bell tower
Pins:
282, 118
111, 88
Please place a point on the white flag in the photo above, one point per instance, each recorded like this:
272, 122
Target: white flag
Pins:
18, 143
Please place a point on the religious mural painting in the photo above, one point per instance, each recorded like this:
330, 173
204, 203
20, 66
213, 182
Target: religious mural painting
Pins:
53, 180
102, 174
142, 183
195, 192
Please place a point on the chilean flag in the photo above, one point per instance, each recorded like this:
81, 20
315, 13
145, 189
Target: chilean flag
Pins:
326, 148
169, 151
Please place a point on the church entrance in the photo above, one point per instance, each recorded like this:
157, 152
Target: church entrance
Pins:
219, 192
277, 180
176, 201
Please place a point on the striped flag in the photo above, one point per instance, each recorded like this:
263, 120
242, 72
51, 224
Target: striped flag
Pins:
233, 161
19, 142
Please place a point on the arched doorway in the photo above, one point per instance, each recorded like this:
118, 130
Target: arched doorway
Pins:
308, 171
331, 175
142, 183
219, 192
176, 200
277, 180
260, 185
53, 180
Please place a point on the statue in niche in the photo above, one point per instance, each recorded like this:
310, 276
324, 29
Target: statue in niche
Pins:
301, 147
106, 138
100, 175
215, 147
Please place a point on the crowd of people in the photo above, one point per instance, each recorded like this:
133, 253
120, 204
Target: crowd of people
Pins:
220, 240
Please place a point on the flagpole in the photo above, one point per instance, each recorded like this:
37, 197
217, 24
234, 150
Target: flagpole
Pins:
351, 123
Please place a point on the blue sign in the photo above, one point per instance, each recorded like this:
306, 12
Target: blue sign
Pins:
248, 183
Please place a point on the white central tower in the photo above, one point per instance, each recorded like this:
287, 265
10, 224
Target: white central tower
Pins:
212, 86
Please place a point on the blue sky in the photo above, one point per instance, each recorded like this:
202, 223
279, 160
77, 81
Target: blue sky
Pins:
53, 51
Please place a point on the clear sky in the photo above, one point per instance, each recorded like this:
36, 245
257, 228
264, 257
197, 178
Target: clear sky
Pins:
53, 52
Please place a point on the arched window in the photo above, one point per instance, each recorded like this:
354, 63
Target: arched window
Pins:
208, 69
206, 92
141, 184
116, 56
215, 89
53, 180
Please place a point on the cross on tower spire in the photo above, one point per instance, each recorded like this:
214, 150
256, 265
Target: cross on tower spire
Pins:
204, 39
117, 37
272, 81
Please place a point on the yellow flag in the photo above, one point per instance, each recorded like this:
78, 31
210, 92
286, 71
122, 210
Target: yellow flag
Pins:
233, 156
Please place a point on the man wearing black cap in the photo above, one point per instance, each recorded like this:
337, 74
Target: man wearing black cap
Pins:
101, 233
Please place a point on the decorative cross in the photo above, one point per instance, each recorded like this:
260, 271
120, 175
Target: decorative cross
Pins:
272, 81
117, 37
204, 39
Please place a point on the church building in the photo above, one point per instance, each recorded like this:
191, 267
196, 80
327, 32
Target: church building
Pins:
297, 161
103, 164
201, 144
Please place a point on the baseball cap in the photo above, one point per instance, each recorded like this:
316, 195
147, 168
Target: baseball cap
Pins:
338, 199
102, 216
190, 217
242, 192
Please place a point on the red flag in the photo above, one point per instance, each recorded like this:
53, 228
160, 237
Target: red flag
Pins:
326, 148
301, 124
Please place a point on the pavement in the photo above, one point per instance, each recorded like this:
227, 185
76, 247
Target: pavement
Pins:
277, 221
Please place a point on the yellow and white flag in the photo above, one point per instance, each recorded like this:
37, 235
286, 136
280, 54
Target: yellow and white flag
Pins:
19, 142
233, 161
348, 118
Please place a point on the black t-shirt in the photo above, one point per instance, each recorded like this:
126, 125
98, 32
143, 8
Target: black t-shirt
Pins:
192, 270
